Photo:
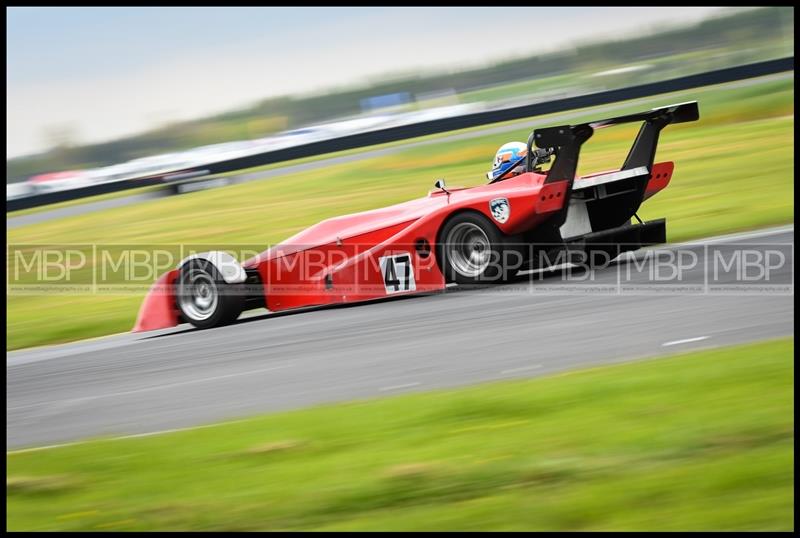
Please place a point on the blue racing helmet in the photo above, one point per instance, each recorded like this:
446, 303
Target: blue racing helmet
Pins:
506, 156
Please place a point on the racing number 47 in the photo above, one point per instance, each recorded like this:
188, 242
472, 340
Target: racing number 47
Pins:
398, 274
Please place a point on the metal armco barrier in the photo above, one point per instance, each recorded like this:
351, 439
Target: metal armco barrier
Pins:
393, 134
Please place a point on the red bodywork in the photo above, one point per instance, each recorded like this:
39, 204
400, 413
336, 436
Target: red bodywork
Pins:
338, 260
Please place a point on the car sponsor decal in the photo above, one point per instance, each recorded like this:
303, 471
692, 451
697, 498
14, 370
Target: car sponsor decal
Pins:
500, 209
398, 273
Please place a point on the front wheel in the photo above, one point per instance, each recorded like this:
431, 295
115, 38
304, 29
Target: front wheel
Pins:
204, 298
472, 250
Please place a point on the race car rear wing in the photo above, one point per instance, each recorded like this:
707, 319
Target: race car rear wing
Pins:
565, 143
566, 140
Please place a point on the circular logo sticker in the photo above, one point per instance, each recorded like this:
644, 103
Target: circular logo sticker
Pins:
500, 209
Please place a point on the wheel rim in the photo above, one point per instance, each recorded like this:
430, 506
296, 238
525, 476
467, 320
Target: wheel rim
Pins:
469, 249
198, 295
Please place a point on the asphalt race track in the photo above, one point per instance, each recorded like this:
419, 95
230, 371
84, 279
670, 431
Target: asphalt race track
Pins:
134, 384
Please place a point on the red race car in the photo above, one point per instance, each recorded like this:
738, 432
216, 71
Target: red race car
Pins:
469, 236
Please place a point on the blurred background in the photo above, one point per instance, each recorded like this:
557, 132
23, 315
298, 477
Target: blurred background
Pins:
103, 94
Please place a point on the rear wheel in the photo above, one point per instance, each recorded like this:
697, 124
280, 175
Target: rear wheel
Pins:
204, 298
472, 250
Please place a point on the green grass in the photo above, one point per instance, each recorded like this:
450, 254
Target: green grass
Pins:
701, 441
734, 171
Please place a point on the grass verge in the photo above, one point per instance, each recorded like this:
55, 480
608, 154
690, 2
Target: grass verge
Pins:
700, 441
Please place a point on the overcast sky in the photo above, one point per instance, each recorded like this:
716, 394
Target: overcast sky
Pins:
110, 72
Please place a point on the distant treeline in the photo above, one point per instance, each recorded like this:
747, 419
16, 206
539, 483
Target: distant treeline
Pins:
741, 31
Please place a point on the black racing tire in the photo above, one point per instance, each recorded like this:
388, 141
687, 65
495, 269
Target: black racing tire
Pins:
463, 241
203, 297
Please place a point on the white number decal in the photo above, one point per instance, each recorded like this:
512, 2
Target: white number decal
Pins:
398, 273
